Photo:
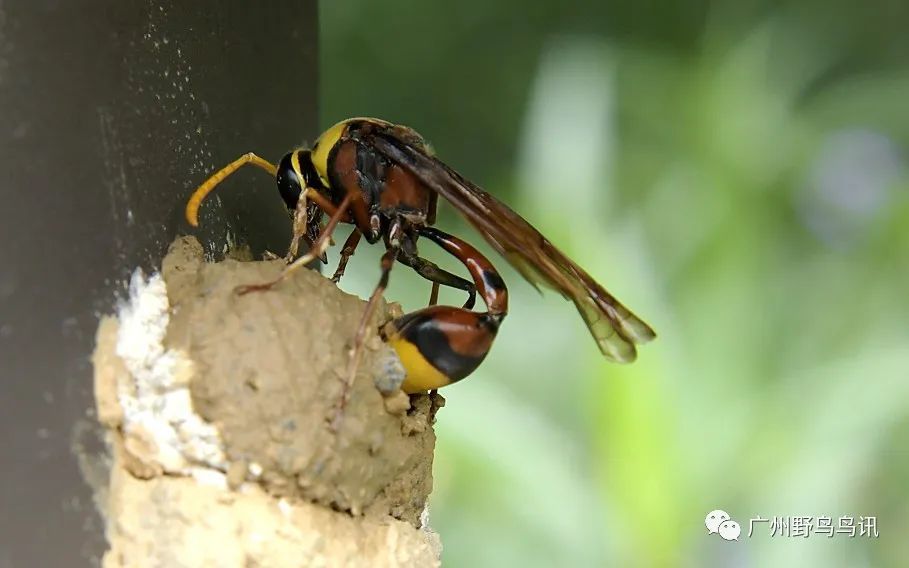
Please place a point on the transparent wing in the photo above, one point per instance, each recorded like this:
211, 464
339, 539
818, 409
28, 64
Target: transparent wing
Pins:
614, 327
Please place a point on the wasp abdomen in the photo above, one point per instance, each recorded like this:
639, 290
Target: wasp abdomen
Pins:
440, 345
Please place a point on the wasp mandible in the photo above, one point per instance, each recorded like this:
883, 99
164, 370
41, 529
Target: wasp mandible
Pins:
385, 180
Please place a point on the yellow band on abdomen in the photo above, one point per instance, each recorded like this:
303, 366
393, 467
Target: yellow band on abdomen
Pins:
421, 376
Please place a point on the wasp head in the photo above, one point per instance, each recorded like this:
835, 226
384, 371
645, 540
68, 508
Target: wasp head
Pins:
295, 171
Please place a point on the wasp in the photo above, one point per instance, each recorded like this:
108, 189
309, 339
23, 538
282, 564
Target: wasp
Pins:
385, 180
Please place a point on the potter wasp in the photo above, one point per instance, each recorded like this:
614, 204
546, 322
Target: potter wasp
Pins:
385, 180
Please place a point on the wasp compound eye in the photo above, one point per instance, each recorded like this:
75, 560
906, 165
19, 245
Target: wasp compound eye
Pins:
289, 179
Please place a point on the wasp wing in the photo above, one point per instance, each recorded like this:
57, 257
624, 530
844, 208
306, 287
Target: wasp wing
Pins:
613, 326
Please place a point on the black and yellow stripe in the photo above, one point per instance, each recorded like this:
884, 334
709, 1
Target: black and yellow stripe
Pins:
440, 345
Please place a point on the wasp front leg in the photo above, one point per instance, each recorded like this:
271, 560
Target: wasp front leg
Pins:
307, 216
318, 249
440, 345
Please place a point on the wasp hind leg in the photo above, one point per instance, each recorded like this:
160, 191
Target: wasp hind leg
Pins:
356, 351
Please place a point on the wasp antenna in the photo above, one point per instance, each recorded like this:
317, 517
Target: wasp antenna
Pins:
198, 196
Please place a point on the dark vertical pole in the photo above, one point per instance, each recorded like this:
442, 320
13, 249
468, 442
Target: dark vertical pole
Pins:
110, 113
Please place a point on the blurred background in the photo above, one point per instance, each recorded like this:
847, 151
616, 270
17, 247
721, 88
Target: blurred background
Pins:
736, 174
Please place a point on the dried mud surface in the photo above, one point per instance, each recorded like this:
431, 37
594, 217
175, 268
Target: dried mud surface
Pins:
239, 447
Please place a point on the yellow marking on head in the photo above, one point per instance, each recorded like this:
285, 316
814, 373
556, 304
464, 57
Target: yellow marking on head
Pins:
298, 171
295, 164
421, 375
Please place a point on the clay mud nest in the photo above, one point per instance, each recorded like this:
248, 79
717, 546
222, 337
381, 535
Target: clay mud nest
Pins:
219, 409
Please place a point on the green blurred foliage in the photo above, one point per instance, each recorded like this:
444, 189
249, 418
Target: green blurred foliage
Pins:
736, 173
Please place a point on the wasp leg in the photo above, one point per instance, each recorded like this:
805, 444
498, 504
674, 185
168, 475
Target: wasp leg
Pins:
319, 247
195, 201
388, 260
437, 276
314, 227
300, 228
306, 216
434, 294
350, 246
440, 345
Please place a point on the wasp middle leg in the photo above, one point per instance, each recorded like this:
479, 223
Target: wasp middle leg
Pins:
347, 251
